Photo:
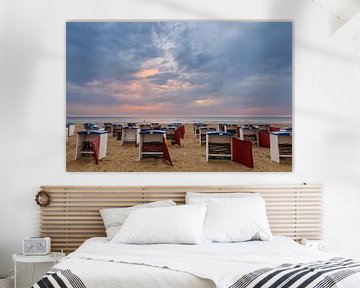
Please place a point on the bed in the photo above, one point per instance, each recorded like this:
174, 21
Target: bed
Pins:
281, 262
99, 263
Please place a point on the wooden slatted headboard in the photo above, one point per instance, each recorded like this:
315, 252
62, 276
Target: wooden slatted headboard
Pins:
73, 215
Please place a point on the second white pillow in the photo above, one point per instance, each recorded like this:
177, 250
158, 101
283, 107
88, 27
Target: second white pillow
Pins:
236, 220
172, 225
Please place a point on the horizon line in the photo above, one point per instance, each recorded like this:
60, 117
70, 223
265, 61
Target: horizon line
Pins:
128, 116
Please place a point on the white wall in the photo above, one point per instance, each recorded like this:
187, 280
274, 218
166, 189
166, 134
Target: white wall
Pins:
32, 116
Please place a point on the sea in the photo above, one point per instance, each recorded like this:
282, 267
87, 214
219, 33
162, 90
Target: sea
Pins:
174, 119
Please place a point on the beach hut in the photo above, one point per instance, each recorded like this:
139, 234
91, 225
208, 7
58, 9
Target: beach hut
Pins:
248, 133
242, 152
179, 136
155, 126
286, 129
145, 127
263, 127
196, 128
132, 124
280, 145
170, 132
176, 124
151, 143
108, 126
71, 129
116, 131
230, 128
91, 126
222, 127
214, 127
130, 135
264, 138
218, 145
93, 143
274, 129
202, 134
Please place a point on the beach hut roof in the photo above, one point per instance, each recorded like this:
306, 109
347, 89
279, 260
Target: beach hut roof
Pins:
130, 127
87, 132
282, 133
143, 132
219, 133
286, 129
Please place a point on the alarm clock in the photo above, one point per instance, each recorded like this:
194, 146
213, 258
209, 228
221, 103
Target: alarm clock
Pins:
320, 245
36, 246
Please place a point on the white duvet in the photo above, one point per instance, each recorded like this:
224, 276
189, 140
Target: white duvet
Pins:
100, 263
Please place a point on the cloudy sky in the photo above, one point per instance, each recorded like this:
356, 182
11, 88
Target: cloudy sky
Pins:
179, 69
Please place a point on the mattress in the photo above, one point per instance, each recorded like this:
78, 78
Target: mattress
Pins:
99, 263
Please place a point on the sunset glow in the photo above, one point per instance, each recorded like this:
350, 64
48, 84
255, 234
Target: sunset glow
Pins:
147, 73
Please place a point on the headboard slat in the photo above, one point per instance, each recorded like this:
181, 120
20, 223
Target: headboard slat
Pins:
73, 216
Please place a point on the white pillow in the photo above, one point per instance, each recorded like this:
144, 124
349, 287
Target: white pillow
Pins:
236, 220
173, 225
113, 218
204, 198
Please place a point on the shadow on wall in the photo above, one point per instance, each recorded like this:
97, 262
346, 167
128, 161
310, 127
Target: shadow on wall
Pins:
182, 7
22, 48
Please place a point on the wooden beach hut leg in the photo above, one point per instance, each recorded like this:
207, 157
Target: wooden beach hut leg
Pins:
140, 148
137, 137
103, 145
123, 135
274, 148
207, 148
78, 146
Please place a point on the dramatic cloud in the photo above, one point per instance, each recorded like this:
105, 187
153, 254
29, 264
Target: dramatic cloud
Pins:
179, 68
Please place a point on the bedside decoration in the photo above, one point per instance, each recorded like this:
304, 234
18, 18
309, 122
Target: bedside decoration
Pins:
36, 246
42, 198
52, 257
320, 245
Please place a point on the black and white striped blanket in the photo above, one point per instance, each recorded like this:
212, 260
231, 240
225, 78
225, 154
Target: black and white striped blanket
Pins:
59, 278
320, 274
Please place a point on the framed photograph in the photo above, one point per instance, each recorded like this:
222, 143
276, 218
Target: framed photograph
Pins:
179, 96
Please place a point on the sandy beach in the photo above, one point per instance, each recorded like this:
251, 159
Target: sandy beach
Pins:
190, 158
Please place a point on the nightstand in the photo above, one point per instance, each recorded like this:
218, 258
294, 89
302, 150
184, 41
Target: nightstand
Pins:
320, 245
52, 257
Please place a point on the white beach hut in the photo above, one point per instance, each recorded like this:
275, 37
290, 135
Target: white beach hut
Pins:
71, 129
230, 128
145, 126
196, 128
218, 145
108, 126
151, 143
280, 145
170, 132
214, 127
117, 131
130, 135
202, 134
90, 142
92, 126
248, 133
